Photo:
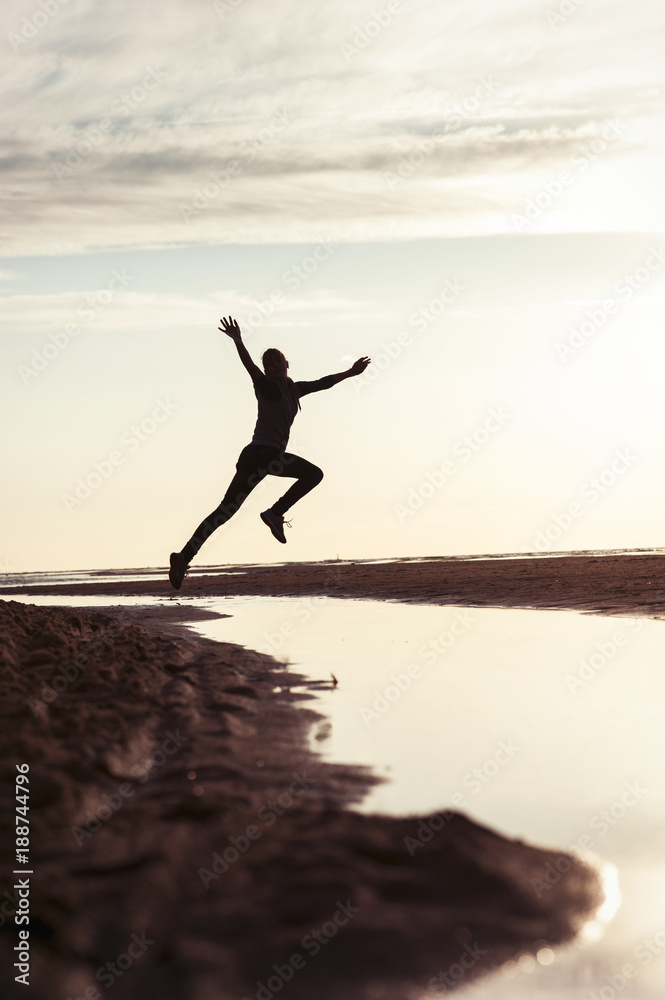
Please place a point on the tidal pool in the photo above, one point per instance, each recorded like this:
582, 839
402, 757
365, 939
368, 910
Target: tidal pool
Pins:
543, 725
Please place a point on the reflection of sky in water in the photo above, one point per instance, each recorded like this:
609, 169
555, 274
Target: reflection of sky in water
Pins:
85, 577
502, 719
500, 714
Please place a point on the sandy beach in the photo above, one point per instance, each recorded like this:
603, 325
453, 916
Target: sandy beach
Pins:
612, 583
186, 843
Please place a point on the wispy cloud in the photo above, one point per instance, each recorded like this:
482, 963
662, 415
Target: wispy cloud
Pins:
38, 315
120, 113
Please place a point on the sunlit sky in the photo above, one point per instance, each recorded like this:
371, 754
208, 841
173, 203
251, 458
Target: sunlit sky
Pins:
470, 193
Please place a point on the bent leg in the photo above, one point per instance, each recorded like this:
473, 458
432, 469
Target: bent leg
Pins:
306, 473
250, 470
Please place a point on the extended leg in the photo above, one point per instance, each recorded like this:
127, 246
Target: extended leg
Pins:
306, 474
250, 470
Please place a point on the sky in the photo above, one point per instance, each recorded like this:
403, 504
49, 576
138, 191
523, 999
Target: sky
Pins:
468, 193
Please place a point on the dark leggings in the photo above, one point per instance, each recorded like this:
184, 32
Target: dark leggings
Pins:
256, 461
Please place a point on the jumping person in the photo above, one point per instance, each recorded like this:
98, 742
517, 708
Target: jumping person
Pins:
279, 401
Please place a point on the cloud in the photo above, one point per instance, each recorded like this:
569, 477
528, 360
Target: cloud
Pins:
121, 113
146, 312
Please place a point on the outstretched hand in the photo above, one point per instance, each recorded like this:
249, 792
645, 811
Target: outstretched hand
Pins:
359, 366
230, 328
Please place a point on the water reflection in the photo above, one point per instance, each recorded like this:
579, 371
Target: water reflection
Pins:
545, 726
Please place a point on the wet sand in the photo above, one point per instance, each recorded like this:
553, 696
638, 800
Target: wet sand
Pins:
179, 822
612, 583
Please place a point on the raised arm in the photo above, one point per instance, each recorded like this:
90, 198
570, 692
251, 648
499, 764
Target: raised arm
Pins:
328, 381
231, 329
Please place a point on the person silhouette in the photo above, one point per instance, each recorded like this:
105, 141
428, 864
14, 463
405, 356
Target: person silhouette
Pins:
278, 399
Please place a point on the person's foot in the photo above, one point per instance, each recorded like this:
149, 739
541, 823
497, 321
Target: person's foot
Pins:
178, 569
276, 524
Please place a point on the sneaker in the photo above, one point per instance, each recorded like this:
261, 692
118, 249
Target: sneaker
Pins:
178, 570
276, 524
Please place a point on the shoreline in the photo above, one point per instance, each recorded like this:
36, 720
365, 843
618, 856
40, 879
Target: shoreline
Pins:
175, 796
620, 584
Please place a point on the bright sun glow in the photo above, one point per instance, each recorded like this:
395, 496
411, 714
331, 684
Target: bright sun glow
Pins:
595, 928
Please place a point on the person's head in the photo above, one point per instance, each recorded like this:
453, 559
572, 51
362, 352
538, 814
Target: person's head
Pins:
274, 363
